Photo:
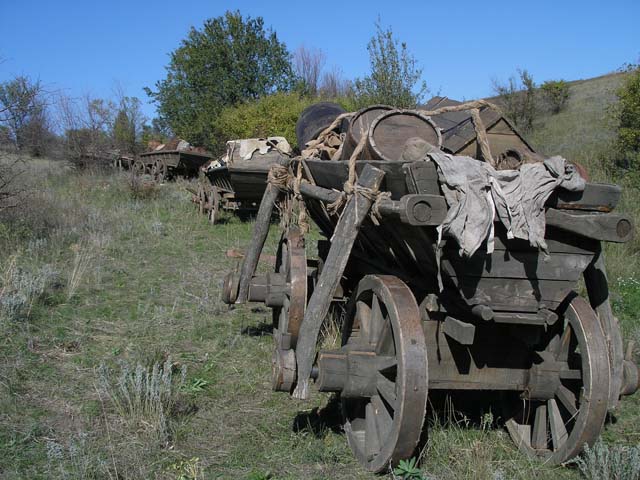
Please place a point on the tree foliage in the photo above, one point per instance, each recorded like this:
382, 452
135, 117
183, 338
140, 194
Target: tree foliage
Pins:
128, 125
230, 60
24, 114
272, 115
556, 94
628, 117
394, 78
518, 99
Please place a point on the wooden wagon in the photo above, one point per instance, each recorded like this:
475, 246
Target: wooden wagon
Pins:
237, 181
165, 164
508, 323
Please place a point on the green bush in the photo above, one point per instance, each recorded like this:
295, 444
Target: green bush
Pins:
628, 117
272, 115
556, 94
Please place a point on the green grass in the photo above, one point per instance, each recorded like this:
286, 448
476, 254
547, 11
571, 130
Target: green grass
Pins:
146, 287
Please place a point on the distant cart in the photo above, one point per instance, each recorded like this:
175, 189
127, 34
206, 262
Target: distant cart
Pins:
167, 164
237, 181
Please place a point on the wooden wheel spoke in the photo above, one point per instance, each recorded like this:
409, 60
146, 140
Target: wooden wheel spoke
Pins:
562, 349
521, 433
570, 374
567, 399
364, 315
385, 339
377, 320
384, 420
540, 435
387, 390
359, 430
372, 437
559, 433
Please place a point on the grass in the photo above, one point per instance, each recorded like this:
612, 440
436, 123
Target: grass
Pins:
111, 290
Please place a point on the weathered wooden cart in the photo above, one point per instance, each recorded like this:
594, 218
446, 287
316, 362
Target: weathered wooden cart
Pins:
237, 182
165, 164
508, 323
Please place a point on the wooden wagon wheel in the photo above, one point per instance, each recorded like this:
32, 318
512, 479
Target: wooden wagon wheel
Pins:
159, 170
202, 197
566, 409
138, 167
291, 264
383, 318
214, 207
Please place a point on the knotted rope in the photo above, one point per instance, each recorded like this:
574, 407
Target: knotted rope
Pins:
481, 132
284, 180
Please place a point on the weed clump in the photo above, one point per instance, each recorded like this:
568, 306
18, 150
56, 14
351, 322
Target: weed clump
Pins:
144, 396
21, 289
605, 462
142, 187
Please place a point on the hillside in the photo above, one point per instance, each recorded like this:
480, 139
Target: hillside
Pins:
582, 130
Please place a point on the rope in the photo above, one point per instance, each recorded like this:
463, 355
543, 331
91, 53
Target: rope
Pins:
481, 133
302, 210
279, 177
283, 179
321, 137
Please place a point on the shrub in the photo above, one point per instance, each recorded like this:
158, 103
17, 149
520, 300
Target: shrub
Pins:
143, 396
628, 119
21, 289
272, 115
142, 187
517, 98
604, 462
556, 94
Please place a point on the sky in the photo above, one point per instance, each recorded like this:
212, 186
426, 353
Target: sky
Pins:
80, 46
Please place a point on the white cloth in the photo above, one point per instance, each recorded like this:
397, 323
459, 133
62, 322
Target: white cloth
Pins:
248, 146
476, 192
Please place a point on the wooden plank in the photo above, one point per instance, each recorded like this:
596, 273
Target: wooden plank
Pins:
526, 265
422, 177
601, 197
344, 236
461, 332
607, 227
333, 174
528, 295
260, 231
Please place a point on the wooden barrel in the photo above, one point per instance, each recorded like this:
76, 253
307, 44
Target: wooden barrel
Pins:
359, 127
314, 119
392, 131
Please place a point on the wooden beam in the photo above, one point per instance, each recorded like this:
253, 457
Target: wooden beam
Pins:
260, 231
461, 332
607, 227
344, 236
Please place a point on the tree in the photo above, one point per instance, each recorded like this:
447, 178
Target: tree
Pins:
128, 125
23, 111
230, 60
394, 77
628, 118
308, 65
518, 99
556, 94
334, 85
87, 124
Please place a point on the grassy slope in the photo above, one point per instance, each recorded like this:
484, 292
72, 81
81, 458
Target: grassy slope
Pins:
151, 289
